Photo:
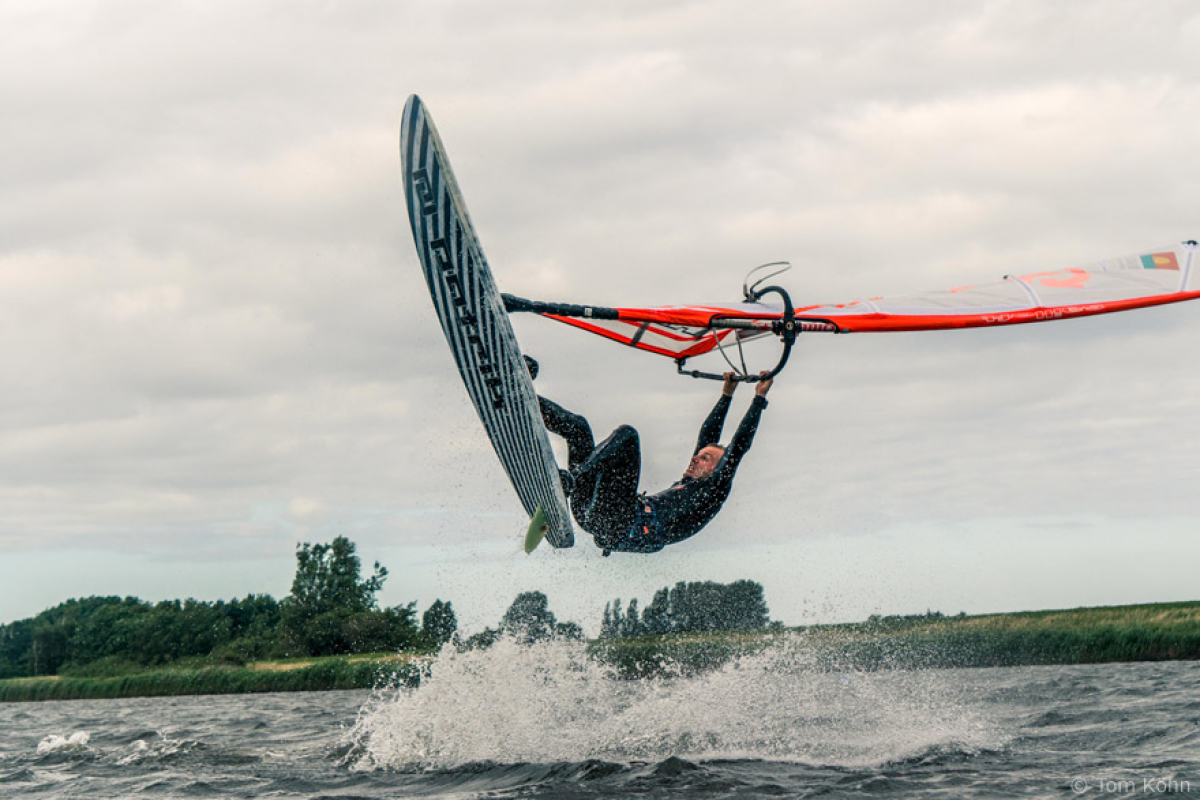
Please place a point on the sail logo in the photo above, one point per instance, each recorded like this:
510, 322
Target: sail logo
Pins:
1160, 261
1073, 278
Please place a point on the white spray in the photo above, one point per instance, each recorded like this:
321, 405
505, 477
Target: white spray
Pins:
552, 702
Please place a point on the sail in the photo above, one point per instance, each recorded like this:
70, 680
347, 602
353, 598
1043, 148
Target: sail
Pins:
1161, 275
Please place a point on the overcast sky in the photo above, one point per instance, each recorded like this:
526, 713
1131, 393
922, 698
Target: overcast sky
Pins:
217, 341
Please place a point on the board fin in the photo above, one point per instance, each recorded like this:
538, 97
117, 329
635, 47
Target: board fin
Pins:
537, 530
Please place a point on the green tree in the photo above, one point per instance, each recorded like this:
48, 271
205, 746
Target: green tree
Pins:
332, 608
568, 630
689, 607
16, 642
657, 618
328, 579
391, 629
104, 627
254, 629
482, 640
529, 618
745, 606
612, 621
253, 615
51, 647
340, 631
632, 624
438, 623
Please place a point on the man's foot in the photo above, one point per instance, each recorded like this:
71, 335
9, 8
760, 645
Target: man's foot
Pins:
532, 366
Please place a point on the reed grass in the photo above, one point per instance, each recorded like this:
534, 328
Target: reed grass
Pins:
324, 674
1158, 632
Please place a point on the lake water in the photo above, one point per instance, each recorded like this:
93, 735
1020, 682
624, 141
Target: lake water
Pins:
545, 721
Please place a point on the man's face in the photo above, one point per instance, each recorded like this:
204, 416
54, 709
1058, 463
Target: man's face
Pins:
704, 462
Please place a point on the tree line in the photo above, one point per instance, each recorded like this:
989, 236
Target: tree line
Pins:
684, 608
331, 610
529, 619
690, 608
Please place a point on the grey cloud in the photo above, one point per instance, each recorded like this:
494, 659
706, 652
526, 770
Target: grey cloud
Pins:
217, 332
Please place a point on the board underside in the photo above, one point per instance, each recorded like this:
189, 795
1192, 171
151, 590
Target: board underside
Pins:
476, 325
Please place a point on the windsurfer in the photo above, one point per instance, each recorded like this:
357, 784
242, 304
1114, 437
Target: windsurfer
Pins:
602, 482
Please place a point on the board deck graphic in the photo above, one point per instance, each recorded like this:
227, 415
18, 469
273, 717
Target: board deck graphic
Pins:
476, 325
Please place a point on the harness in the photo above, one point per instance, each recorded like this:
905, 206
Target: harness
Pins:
644, 536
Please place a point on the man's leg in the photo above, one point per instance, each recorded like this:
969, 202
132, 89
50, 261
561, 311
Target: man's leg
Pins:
572, 427
604, 485
604, 497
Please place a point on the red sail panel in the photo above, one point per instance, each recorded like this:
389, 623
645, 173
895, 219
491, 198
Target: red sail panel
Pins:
675, 340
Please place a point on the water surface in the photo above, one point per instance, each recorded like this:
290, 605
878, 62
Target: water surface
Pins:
545, 721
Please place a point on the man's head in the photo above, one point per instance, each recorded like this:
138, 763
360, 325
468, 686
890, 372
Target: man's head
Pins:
704, 462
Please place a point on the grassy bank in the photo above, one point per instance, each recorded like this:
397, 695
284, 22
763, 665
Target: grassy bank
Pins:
1164, 631
303, 676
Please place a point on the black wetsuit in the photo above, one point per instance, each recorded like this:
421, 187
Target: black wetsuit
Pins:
604, 494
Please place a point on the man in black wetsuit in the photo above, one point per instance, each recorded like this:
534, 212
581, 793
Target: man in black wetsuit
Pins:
603, 481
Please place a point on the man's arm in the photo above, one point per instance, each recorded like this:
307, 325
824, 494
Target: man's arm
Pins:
745, 433
710, 431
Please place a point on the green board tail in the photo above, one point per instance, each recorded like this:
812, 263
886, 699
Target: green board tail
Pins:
537, 530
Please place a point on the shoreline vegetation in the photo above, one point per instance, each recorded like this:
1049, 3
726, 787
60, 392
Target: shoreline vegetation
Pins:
1106, 634
1095, 635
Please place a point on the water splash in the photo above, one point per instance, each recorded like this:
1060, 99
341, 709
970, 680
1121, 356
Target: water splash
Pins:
551, 702
53, 743
163, 747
